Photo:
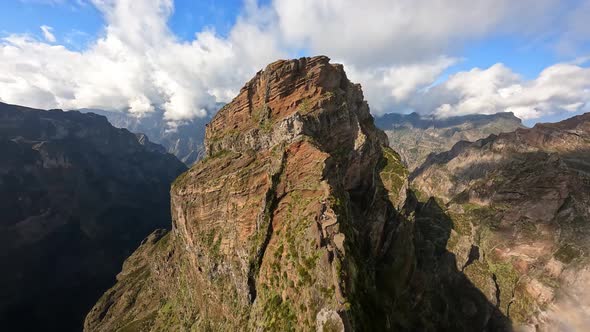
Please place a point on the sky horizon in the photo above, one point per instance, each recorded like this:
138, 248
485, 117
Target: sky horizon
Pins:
531, 58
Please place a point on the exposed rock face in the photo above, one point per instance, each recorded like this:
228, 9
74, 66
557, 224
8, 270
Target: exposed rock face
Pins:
76, 197
297, 219
415, 136
184, 141
519, 203
256, 224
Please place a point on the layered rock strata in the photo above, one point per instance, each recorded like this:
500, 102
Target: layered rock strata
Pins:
297, 219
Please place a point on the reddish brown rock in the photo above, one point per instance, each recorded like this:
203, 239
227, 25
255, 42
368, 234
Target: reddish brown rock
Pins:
264, 228
297, 219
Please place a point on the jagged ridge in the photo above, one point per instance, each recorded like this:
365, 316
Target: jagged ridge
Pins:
520, 199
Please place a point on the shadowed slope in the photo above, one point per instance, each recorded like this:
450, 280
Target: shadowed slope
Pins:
76, 197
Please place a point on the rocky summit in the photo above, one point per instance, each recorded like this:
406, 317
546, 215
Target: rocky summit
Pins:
416, 136
519, 203
298, 218
76, 198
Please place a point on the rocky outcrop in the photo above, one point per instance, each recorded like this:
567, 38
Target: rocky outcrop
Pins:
263, 226
519, 203
297, 219
416, 136
76, 197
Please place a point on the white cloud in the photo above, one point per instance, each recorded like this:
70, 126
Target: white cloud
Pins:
561, 88
138, 64
47, 33
398, 51
388, 87
384, 32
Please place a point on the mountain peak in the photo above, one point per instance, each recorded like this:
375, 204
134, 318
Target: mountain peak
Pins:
283, 102
275, 215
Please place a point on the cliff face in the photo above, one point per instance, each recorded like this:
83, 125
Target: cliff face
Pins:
415, 136
297, 219
76, 197
272, 230
519, 202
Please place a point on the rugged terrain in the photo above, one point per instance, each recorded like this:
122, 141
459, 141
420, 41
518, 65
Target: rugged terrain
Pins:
76, 198
298, 218
185, 140
520, 203
416, 136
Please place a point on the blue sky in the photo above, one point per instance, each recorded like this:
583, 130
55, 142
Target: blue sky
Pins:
27, 17
82, 19
427, 59
83, 23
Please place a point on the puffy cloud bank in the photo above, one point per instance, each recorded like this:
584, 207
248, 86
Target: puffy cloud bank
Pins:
137, 65
559, 88
397, 50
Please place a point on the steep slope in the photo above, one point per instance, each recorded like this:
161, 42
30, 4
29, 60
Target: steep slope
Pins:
259, 238
184, 141
297, 219
519, 203
76, 197
415, 136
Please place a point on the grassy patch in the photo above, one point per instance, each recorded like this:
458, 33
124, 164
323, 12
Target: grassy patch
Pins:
523, 306
393, 173
279, 315
139, 325
331, 325
567, 253
305, 107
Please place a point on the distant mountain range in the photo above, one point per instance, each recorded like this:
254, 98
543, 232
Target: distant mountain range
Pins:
519, 202
77, 196
415, 136
185, 141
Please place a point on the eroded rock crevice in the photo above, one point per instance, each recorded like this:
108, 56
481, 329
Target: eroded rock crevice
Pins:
270, 204
498, 291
